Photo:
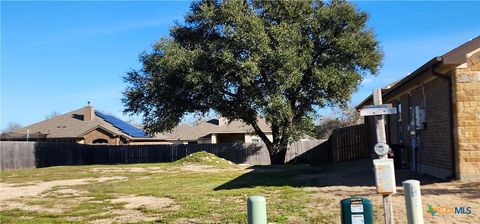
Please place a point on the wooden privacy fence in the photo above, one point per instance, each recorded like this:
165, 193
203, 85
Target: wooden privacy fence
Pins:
111, 154
16, 155
344, 144
350, 143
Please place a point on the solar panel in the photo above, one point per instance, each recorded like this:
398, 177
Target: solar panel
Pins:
122, 125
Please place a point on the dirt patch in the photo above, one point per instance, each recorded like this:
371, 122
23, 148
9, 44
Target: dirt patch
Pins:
30, 197
63, 193
134, 202
36, 204
144, 178
131, 211
11, 191
187, 221
128, 170
155, 170
450, 199
200, 168
356, 179
121, 170
35, 208
126, 216
107, 170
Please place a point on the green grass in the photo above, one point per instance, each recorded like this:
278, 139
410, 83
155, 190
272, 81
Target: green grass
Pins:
199, 196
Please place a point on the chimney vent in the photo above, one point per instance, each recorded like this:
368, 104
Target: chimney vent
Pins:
89, 113
222, 121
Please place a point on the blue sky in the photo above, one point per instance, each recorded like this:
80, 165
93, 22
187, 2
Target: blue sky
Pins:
56, 56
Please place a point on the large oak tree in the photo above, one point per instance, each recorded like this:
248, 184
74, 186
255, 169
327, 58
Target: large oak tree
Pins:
281, 60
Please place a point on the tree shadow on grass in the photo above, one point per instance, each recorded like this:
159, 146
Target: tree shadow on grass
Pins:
349, 173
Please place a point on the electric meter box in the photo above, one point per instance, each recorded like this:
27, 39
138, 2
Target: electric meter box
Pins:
420, 117
356, 210
385, 176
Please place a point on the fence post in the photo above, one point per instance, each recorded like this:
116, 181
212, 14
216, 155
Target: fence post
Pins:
257, 210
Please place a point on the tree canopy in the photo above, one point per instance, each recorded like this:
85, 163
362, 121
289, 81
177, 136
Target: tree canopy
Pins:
12, 126
343, 117
281, 60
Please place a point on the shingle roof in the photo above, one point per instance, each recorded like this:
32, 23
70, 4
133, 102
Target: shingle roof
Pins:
204, 128
454, 57
70, 125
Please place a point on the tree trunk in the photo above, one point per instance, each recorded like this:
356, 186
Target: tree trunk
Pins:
277, 149
278, 157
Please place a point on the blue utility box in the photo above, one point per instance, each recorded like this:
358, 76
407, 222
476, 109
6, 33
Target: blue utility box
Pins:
356, 210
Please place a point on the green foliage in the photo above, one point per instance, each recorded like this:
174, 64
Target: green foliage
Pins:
243, 59
344, 117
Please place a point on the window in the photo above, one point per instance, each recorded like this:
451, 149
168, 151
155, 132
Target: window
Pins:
100, 141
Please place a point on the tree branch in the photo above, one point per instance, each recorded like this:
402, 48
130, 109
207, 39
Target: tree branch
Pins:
261, 134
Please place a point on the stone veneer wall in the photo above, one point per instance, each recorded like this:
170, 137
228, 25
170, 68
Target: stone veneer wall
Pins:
466, 88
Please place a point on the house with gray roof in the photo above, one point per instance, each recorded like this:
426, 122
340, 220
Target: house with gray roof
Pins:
89, 126
218, 130
84, 125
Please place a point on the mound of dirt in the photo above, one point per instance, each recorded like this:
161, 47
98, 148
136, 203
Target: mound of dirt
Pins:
204, 159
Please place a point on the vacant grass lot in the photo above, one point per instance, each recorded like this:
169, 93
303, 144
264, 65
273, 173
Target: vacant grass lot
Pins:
191, 193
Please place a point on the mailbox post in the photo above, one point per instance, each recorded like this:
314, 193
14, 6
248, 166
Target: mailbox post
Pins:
384, 170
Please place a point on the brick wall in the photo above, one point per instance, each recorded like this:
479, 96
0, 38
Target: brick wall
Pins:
466, 82
434, 155
406, 137
99, 133
392, 131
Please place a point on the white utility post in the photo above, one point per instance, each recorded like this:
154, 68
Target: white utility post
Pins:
384, 170
382, 138
413, 201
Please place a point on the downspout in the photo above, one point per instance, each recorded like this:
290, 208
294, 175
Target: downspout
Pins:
450, 108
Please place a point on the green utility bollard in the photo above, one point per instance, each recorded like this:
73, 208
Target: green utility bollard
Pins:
257, 210
356, 210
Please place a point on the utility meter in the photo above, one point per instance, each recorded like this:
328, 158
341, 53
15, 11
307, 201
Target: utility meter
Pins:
420, 117
384, 176
381, 148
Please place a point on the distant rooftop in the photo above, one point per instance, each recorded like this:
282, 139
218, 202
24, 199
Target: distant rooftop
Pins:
76, 123
204, 128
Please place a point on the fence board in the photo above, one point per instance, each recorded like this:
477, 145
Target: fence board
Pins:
350, 143
344, 144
